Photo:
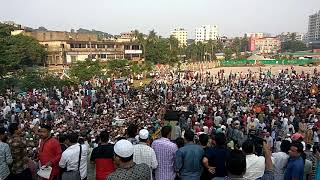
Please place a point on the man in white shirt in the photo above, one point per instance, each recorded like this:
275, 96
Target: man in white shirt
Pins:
255, 164
280, 160
70, 157
143, 153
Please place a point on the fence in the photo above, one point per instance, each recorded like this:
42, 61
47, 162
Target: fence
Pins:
244, 62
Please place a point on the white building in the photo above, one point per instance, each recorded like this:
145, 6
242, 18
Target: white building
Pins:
314, 27
206, 32
180, 34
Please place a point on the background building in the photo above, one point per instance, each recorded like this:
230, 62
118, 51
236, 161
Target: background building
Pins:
314, 27
206, 32
266, 45
180, 34
257, 35
288, 36
64, 48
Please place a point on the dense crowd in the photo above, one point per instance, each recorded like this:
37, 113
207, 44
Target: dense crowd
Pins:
183, 125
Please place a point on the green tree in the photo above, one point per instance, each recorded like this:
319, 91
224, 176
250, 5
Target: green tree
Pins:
118, 67
85, 70
293, 46
227, 53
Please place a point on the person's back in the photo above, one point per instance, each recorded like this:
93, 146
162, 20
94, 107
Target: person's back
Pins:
102, 157
189, 158
280, 160
136, 171
5, 156
255, 164
165, 152
217, 157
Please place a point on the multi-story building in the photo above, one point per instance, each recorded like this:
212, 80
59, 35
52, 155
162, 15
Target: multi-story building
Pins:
257, 35
206, 32
180, 34
266, 45
287, 36
314, 27
64, 48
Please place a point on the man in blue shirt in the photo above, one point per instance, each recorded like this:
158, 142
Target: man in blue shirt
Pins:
295, 165
189, 159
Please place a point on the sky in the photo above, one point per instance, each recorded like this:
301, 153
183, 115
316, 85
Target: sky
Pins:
233, 17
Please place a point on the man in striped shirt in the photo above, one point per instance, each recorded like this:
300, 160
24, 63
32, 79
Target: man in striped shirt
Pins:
166, 154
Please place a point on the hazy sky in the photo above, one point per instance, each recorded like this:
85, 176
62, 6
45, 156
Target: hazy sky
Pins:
234, 17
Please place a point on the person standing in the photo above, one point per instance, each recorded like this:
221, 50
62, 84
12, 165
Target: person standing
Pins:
142, 153
189, 158
102, 156
5, 156
295, 164
18, 145
49, 152
126, 168
74, 158
166, 154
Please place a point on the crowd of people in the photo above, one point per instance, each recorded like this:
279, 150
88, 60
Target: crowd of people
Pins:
183, 125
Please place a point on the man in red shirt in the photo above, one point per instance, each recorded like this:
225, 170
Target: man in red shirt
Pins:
102, 156
49, 152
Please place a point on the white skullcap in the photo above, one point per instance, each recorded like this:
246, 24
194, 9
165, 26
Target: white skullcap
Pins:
143, 134
123, 148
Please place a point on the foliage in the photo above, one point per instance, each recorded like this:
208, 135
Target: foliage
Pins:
293, 46
17, 52
228, 53
85, 70
118, 67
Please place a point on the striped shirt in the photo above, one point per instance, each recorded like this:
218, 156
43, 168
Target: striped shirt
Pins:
166, 154
5, 160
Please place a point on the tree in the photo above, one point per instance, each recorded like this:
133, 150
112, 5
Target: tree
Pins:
228, 53
85, 70
293, 46
118, 67
20, 51
139, 37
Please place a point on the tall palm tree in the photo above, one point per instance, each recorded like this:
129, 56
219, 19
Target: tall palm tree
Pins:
139, 37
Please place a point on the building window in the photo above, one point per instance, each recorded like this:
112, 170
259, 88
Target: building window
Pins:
93, 46
103, 56
62, 46
101, 46
111, 46
72, 46
73, 59
126, 47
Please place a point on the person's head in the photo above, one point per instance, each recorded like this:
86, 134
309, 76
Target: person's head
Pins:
14, 129
45, 131
73, 138
143, 135
308, 147
189, 135
220, 139
285, 146
104, 137
236, 163
166, 131
203, 138
123, 152
296, 149
62, 138
132, 130
248, 147
180, 142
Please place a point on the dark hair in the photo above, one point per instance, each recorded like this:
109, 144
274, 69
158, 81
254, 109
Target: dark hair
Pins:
2, 130
180, 142
12, 128
285, 146
73, 137
165, 131
132, 130
189, 135
46, 126
299, 146
62, 138
203, 138
308, 146
236, 163
104, 136
220, 139
248, 147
